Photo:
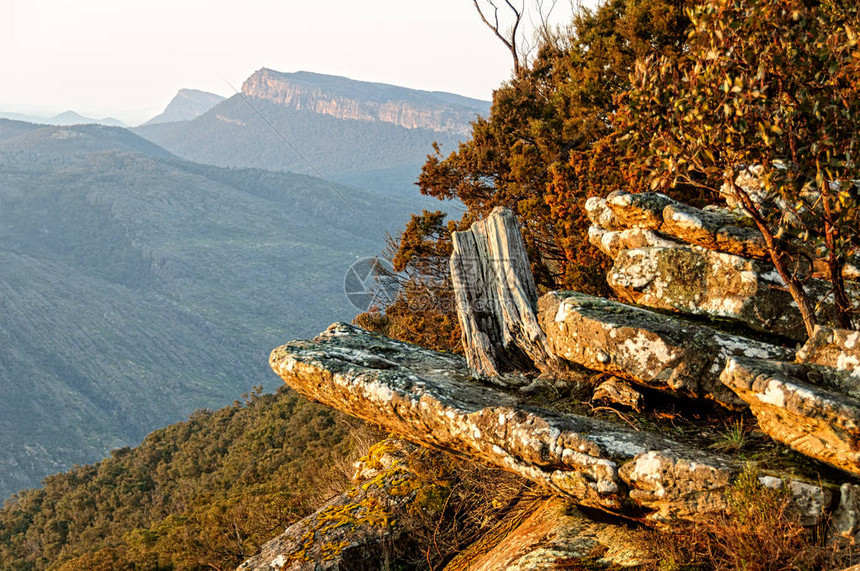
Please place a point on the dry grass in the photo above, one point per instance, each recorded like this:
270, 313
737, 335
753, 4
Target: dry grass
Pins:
761, 533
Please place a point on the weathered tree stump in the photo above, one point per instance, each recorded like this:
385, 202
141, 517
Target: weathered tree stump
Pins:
497, 300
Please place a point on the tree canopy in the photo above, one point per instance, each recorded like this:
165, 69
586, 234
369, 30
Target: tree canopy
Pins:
769, 89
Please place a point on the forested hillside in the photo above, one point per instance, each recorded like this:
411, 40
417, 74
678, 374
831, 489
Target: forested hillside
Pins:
137, 287
204, 493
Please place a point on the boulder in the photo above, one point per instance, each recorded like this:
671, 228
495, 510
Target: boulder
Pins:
640, 210
496, 300
818, 422
674, 487
834, 355
846, 517
697, 281
713, 230
601, 215
613, 242
427, 397
659, 351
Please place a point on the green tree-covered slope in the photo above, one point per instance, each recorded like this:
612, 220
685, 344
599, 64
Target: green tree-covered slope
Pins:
199, 494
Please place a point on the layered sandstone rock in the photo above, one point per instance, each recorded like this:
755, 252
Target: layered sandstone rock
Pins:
833, 355
659, 351
430, 399
812, 404
553, 536
820, 423
671, 256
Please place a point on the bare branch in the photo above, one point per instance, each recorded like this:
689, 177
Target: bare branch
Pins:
507, 37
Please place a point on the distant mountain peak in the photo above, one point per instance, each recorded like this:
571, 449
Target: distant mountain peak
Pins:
345, 98
187, 104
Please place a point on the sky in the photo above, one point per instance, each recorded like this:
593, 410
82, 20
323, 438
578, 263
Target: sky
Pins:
128, 58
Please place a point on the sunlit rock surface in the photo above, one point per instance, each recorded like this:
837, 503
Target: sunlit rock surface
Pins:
553, 536
429, 398
672, 256
820, 423
656, 350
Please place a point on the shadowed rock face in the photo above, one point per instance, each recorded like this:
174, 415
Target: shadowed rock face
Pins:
429, 398
659, 351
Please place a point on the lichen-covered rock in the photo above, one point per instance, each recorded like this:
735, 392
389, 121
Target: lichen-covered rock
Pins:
617, 391
809, 501
601, 215
697, 281
675, 488
553, 537
846, 517
381, 457
427, 397
640, 210
713, 230
815, 421
360, 529
613, 242
709, 228
685, 489
659, 351
749, 181
835, 355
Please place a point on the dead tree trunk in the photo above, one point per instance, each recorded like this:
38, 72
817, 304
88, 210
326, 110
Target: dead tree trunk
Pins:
496, 300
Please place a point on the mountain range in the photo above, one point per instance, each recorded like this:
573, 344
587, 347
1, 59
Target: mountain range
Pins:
186, 105
64, 119
368, 135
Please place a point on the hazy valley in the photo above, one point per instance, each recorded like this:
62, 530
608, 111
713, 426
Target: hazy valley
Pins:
138, 286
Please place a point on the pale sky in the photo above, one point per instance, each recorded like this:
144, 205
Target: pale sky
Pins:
127, 58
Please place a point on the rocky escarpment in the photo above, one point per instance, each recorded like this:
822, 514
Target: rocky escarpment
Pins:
344, 98
479, 406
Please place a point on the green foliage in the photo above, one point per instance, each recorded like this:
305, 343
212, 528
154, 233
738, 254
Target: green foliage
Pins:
533, 153
771, 85
734, 438
201, 493
423, 312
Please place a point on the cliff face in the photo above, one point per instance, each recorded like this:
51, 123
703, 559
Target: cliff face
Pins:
186, 105
344, 98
